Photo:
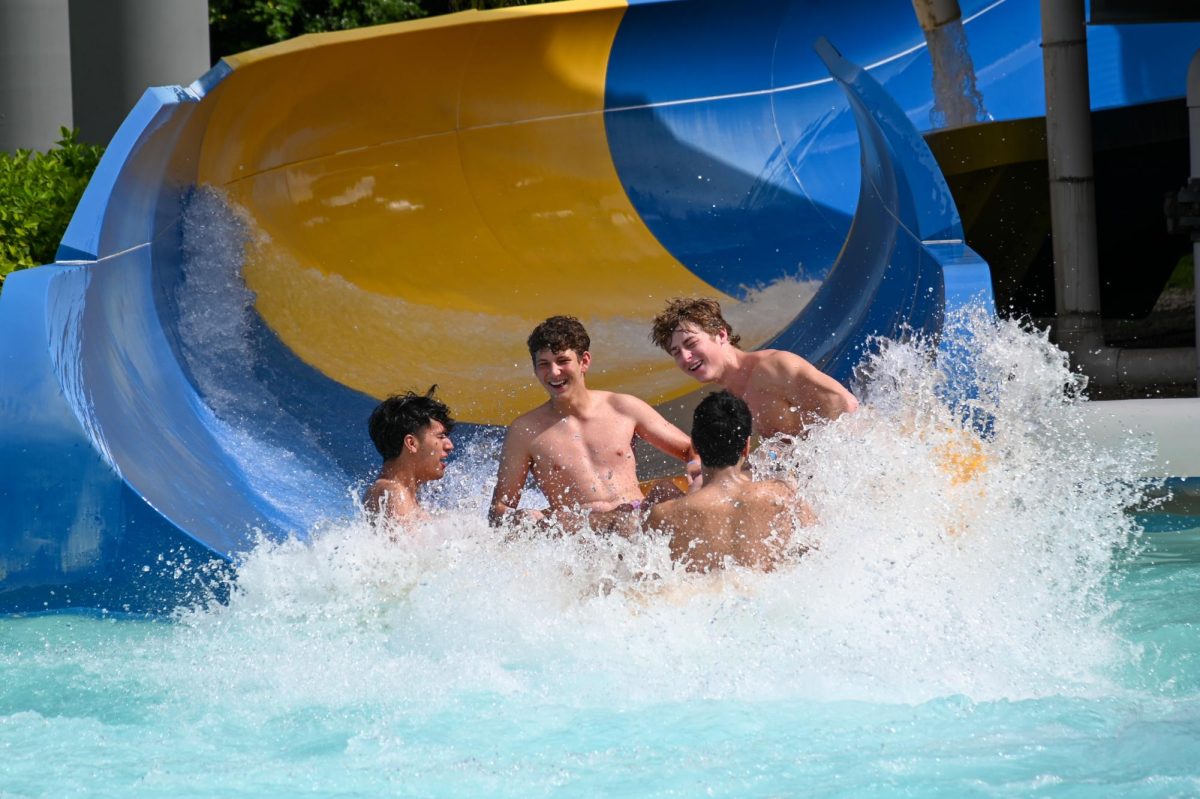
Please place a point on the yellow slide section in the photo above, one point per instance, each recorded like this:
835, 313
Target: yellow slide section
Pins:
428, 192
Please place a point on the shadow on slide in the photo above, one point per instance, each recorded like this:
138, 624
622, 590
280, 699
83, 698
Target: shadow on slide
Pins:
317, 224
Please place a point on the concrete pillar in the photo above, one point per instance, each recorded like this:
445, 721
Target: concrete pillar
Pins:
1072, 179
1073, 216
1193, 101
119, 48
35, 73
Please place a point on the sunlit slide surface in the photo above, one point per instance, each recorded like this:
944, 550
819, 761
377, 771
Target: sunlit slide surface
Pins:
312, 226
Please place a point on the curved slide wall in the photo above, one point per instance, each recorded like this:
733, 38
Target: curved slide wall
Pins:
398, 206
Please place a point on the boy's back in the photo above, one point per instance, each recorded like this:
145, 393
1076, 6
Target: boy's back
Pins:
737, 520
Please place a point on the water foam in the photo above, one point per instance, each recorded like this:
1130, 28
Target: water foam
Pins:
950, 563
279, 455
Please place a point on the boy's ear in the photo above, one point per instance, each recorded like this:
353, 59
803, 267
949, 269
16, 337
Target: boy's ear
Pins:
410, 442
585, 360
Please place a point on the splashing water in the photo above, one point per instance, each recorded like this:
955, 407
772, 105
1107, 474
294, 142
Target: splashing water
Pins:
957, 99
948, 563
961, 592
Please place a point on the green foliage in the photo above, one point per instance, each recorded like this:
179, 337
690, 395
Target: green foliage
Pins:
1184, 276
238, 25
480, 5
38, 194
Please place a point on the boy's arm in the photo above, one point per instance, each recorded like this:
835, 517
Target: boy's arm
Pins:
680, 544
510, 477
656, 431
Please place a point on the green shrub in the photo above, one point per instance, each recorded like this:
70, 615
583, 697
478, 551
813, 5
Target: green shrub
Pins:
1183, 277
38, 194
238, 25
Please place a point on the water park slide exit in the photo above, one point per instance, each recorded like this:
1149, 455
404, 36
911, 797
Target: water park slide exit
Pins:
399, 205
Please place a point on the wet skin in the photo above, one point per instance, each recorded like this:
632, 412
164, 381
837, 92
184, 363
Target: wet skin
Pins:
579, 444
785, 393
731, 520
393, 495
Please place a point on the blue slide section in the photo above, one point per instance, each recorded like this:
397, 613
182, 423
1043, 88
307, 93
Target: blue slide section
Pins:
122, 489
762, 138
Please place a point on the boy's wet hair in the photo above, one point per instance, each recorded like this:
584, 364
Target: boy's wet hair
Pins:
720, 429
703, 313
559, 334
405, 414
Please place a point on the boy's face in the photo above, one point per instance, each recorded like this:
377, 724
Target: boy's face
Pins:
431, 447
560, 372
701, 355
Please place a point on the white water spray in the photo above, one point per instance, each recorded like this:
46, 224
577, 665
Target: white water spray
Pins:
949, 563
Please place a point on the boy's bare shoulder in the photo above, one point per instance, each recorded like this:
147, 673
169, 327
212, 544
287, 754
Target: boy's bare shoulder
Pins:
386, 497
778, 363
667, 509
532, 421
626, 404
773, 490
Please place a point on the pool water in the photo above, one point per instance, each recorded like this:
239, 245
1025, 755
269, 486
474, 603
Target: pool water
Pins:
353, 698
1004, 629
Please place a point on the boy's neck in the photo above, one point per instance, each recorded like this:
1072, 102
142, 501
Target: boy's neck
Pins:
397, 471
723, 474
734, 375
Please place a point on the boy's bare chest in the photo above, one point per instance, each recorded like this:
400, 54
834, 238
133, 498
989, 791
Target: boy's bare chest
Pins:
594, 440
772, 412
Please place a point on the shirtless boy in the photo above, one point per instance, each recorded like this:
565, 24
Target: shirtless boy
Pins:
412, 433
785, 393
579, 444
729, 519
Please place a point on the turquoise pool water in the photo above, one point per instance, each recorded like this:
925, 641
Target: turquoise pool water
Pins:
376, 705
1010, 630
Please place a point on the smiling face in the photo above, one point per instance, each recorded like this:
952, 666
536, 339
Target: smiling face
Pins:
701, 355
561, 373
430, 447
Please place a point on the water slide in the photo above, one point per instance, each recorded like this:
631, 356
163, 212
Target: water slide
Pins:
314, 225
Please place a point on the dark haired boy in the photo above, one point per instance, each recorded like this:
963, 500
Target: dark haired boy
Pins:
412, 433
730, 519
579, 443
784, 392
